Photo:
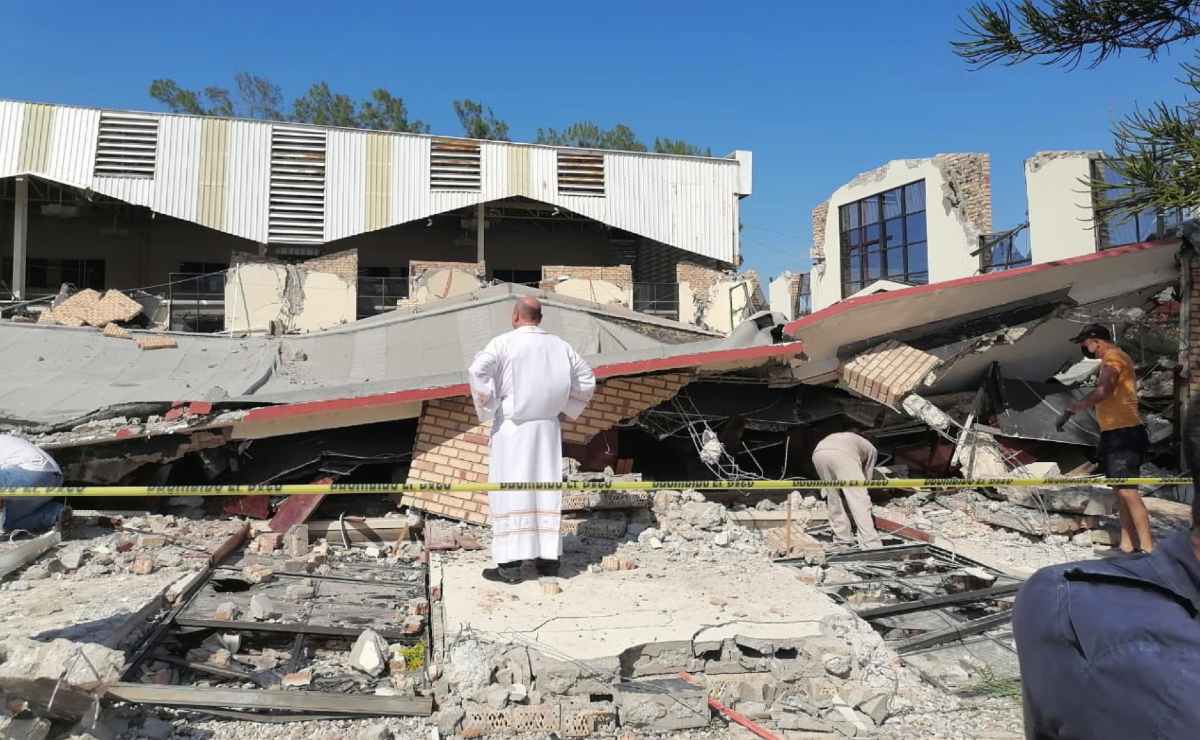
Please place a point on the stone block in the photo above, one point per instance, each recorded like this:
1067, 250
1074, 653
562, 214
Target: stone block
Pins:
662, 705
142, 565
262, 608
258, 573
369, 653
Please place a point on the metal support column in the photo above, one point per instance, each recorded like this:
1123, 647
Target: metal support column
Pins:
479, 252
20, 234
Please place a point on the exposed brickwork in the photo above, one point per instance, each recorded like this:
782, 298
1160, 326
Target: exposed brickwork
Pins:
452, 446
700, 278
620, 275
971, 176
820, 215
417, 268
888, 372
344, 264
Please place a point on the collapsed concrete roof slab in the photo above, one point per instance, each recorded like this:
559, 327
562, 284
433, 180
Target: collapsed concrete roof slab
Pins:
381, 367
1095, 278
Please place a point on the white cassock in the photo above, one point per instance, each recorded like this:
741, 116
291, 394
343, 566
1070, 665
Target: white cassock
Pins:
522, 381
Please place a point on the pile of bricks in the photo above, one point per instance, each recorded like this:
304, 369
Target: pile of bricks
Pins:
452, 445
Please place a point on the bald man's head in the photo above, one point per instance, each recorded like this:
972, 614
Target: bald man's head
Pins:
527, 312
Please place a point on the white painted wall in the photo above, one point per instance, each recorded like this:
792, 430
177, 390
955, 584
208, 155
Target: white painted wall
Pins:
730, 302
951, 238
447, 282
254, 297
597, 291
1060, 205
779, 295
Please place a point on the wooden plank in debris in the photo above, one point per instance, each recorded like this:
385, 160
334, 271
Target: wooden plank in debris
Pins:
26, 552
901, 530
231, 543
297, 508
306, 701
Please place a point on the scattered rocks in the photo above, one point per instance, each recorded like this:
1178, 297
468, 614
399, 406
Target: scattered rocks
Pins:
837, 665
496, 696
300, 591
262, 608
295, 542
266, 543
143, 565
375, 732
258, 573
369, 653
299, 679
226, 611
30, 659
72, 557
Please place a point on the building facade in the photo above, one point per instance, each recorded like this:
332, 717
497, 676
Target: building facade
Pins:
918, 221
120, 199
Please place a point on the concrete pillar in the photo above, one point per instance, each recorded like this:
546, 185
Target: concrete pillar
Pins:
20, 235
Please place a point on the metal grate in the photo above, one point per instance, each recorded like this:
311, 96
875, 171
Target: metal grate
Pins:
454, 165
127, 145
580, 173
297, 211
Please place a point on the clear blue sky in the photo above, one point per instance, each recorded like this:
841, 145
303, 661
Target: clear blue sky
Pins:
818, 91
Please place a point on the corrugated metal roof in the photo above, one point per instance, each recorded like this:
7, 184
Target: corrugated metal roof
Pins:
687, 202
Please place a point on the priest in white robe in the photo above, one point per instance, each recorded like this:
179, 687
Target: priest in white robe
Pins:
525, 382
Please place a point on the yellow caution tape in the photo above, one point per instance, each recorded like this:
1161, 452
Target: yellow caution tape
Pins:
794, 484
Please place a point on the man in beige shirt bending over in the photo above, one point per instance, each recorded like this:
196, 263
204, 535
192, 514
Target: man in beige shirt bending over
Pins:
847, 456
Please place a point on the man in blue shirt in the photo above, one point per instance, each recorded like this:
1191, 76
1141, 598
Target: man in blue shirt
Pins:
1111, 648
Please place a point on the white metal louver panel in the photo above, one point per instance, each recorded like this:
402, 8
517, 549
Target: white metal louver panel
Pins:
580, 173
127, 145
297, 205
454, 164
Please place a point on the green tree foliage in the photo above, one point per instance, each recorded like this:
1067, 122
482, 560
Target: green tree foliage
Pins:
384, 112
587, 135
322, 106
478, 121
679, 146
258, 97
1156, 151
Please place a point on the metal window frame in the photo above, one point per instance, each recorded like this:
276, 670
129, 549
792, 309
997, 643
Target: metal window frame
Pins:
1102, 223
904, 246
985, 253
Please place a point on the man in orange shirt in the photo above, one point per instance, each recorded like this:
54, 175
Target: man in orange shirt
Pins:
1123, 437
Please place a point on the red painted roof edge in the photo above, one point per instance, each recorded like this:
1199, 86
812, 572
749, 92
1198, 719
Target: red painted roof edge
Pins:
636, 367
840, 307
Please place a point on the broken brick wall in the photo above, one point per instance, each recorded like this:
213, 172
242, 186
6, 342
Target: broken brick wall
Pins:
452, 445
344, 264
699, 277
970, 177
619, 275
417, 268
819, 215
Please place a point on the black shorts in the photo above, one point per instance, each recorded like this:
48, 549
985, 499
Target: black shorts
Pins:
1122, 451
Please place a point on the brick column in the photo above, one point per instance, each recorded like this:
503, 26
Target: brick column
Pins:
452, 446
